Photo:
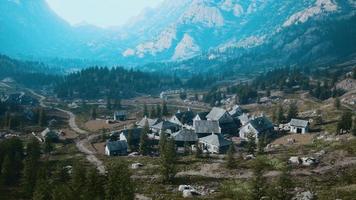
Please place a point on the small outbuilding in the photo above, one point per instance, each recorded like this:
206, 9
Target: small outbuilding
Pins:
214, 143
299, 126
116, 148
120, 116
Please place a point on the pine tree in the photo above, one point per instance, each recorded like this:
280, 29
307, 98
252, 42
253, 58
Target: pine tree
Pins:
108, 103
280, 115
78, 180
354, 126
145, 111
251, 144
42, 190
186, 148
293, 111
168, 161
345, 123
337, 103
117, 104
162, 142
31, 165
274, 116
42, 118
94, 185
258, 182
61, 192
130, 139
48, 146
262, 143
93, 113
231, 162
158, 111
198, 151
284, 187
153, 113
165, 109
7, 171
144, 142
119, 185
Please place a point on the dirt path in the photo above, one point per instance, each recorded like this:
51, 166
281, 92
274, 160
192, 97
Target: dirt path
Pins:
80, 143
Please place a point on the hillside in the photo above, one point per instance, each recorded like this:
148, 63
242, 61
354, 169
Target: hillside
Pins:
216, 32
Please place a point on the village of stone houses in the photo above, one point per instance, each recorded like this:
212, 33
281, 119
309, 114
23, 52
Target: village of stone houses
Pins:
177, 146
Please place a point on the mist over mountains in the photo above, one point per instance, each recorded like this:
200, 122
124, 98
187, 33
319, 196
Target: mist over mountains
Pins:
192, 35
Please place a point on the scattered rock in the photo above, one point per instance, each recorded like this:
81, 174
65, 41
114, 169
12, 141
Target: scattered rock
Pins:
307, 195
136, 165
134, 154
181, 188
190, 193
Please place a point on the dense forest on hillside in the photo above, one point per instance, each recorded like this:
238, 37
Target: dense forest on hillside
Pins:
30, 74
319, 82
99, 82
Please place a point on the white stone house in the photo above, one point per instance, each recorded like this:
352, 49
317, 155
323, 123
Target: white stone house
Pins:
299, 126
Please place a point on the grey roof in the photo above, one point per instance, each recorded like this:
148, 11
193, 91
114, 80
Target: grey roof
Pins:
206, 126
298, 123
216, 113
164, 125
49, 133
261, 124
185, 135
235, 111
151, 122
185, 117
202, 115
136, 133
216, 140
116, 145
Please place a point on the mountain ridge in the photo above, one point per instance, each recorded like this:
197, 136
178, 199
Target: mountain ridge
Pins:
227, 30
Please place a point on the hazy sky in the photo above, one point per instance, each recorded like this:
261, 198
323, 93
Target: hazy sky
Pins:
103, 13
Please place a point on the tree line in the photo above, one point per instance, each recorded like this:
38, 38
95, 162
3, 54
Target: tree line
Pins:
38, 178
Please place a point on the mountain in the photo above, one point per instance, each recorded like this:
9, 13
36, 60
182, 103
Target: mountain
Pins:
30, 29
201, 26
193, 35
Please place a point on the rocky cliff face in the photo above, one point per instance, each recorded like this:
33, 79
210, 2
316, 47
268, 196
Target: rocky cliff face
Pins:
270, 30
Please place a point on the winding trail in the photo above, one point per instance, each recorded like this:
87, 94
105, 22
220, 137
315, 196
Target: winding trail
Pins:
80, 143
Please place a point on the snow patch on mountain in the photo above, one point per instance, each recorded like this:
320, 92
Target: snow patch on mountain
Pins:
319, 7
187, 48
232, 5
199, 12
164, 41
248, 42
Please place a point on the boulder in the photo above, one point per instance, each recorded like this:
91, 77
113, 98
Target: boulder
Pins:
190, 193
136, 165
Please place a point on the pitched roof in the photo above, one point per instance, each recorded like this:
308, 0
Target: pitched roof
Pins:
216, 113
202, 115
48, 133
185, 117
164, 125
298, 123
136, 133
261, 124
185, 135
216, 140
235, 111
150, 122
116, 145
205, 126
